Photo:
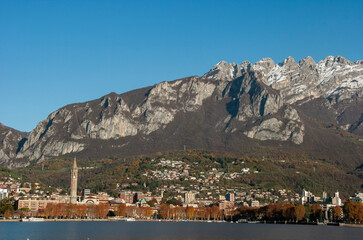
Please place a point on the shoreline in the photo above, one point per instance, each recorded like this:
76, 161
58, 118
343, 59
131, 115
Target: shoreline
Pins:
179, 221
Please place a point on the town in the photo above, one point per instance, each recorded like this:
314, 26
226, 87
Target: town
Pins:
203, 202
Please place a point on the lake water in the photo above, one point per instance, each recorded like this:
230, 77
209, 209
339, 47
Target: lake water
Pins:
171, 230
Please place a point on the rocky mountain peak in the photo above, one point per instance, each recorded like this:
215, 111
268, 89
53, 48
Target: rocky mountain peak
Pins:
307, 62
333, 61
264, 66
245, 66
10, 142
307, 79
223, 71
288, 60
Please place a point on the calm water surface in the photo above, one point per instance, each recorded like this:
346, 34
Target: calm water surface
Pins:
170, 230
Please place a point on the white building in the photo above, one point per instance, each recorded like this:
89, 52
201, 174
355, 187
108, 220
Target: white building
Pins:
255, 203
325, 196
306, 197
189, 197
358, 197
336, 199
3, 193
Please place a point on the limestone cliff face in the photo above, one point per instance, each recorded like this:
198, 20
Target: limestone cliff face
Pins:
335, 78
262, 101
10, 142
111, 117
289, 128
117, 118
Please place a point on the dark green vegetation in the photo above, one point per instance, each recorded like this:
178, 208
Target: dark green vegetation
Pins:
6, 204
276, 170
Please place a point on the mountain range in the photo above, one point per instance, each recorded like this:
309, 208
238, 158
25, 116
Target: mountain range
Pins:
303, 107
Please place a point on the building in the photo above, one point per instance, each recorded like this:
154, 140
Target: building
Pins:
336, 199
126, 196
3, 193
91, 199
150, 197
325, 196
35, 204
74, 179
226, 204
222, 198
358, 197
255, 203
230, 197
189, 197
85, 192
306, 197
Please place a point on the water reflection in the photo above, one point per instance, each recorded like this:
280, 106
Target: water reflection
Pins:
171, 230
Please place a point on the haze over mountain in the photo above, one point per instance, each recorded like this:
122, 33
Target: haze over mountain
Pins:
315, 108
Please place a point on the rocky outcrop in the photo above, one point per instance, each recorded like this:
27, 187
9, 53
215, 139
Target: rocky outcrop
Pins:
251, 98
290, 128
158, 108
11, 141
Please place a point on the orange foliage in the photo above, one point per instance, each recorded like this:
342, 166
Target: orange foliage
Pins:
190, 212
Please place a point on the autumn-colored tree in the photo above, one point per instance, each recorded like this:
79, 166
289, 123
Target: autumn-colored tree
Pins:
148, 212
272, 211
71, 210
215, 212
91, 211
164, 211
49, 210
349, 210
360, 212
357, 213
40, 213
131, 211
337, 213
81, 211
18, 214
299, 212
139, 212
243, 212
178, 212
121, 210
269, 211
102, 210
190, 212
8, 214
316, 212
201, 212
288, 211
62, 209
208, 213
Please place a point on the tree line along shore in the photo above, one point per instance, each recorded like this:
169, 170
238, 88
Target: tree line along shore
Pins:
350, 213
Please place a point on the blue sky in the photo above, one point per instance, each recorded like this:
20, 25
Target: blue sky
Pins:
54, 53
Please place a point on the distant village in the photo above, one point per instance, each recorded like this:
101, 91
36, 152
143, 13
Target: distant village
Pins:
205, 201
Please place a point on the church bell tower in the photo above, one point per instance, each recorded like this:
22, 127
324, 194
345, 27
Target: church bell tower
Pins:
74, 178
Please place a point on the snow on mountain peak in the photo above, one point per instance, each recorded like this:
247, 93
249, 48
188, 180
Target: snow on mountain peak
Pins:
305, 79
